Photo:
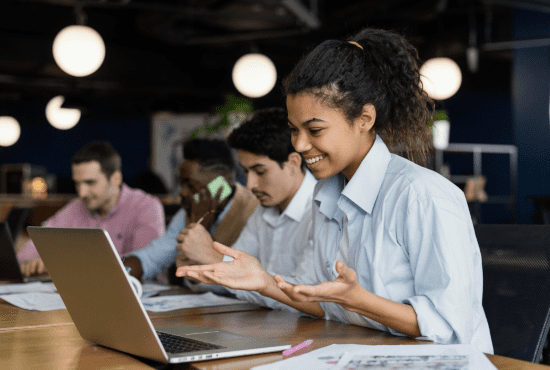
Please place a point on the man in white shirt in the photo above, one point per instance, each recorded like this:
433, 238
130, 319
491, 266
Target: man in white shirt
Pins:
278, 234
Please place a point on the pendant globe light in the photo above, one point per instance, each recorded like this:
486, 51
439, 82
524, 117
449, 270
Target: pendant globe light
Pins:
254, 75
441, 78
79, 50
61, 118
9, 131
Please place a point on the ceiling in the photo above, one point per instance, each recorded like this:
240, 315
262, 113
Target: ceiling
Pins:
178, 54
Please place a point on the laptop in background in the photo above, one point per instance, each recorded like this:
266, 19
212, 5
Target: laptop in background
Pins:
9, 266
16, 220
93, 283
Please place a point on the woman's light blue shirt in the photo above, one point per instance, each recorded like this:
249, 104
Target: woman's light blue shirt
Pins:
411, 240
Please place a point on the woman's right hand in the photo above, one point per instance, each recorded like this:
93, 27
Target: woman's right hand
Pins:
244, 272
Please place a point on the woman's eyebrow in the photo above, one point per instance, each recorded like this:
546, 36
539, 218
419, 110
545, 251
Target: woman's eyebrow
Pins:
308, 121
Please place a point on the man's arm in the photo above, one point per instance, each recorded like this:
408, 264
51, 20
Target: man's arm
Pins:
28, 257
161, 252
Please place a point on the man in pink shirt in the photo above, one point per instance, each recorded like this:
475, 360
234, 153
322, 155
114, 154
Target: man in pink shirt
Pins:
132, 217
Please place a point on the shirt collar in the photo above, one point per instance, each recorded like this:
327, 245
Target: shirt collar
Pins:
364, 186
297, 206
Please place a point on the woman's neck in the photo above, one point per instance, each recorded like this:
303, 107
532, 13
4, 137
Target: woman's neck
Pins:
364, 148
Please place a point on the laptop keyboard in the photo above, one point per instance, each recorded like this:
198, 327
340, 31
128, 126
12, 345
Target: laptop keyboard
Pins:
175, 344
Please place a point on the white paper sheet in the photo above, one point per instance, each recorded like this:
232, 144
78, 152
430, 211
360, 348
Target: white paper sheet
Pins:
177, 302
34, 287
320, 359
35, 301
362, 357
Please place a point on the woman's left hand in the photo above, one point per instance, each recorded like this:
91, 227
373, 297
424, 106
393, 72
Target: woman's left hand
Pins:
338, 291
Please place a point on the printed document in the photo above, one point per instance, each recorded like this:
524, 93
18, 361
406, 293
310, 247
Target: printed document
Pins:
395, 357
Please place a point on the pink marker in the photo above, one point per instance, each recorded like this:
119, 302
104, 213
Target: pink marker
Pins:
297, 348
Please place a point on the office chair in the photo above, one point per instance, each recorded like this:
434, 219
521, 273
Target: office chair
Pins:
516, 287
16, 220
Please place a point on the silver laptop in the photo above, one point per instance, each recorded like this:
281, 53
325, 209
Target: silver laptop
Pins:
93, 283
9, 266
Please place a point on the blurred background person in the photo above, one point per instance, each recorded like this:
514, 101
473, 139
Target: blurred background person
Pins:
131, 217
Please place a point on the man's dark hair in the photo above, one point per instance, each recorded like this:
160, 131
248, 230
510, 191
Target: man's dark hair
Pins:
102, 152
266, 133
208, 152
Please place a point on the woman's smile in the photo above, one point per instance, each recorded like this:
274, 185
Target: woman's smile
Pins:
313, 160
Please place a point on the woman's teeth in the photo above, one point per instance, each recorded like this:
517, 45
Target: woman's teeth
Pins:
316, 159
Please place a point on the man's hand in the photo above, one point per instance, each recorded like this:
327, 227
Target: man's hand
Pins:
33, 267
244, 272
206, 209
195, 244
338, 291
135, 265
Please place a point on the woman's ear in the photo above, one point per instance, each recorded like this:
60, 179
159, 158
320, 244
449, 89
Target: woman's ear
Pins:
367, 118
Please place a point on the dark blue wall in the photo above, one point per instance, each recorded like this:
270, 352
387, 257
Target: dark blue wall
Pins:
531, 109
42, 144
483, 117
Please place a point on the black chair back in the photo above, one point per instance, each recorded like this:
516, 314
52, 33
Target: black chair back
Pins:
516, 287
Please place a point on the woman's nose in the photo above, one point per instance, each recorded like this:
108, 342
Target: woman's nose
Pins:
301, 142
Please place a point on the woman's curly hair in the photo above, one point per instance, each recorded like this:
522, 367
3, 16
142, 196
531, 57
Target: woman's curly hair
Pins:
383, 72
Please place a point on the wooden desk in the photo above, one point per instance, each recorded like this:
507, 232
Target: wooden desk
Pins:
59, 346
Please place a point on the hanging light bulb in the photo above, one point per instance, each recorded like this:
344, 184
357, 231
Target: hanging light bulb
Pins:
9, 130
61, 118
254, 75
78, 50
440, 77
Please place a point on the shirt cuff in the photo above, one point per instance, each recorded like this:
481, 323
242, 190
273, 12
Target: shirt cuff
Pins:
432, 326
227, 259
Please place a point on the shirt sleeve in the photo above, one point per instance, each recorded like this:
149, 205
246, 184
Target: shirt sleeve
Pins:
149, 224
438, 237
161, 252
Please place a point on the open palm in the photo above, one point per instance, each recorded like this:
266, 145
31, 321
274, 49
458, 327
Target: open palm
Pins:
337, 291
244, 272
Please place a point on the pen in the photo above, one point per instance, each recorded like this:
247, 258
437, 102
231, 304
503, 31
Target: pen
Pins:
297, 348
203, 216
